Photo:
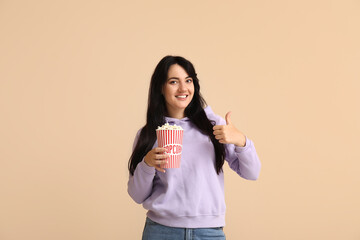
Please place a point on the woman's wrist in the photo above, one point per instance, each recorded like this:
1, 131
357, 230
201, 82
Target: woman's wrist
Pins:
146, 161
241, 142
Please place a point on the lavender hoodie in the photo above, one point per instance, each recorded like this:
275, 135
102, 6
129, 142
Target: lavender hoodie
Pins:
191, 196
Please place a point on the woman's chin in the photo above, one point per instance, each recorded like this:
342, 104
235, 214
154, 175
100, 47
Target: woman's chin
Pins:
183, 106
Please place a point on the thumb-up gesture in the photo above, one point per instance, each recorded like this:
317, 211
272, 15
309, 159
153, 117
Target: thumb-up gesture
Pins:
229, 134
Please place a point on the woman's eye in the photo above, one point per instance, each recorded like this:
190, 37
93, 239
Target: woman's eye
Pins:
189, 80
172, 82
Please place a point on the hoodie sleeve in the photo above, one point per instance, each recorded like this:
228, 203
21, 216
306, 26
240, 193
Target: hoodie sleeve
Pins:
141, 183
243, 160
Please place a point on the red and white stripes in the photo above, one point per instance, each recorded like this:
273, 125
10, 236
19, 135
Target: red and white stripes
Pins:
172, 141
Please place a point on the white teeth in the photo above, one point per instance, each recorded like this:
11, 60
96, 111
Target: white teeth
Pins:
181, 96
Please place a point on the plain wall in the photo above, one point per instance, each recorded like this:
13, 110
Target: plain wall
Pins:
74, 77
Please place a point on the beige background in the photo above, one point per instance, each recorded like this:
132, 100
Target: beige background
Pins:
74, 77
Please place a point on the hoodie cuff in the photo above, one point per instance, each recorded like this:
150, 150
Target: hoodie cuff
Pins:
146, 168
247, 146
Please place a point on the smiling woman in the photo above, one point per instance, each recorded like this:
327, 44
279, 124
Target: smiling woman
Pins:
186, 201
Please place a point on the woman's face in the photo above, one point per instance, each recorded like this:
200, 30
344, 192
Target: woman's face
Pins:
178, 91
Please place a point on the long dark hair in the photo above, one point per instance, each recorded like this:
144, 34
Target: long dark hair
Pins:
156, 112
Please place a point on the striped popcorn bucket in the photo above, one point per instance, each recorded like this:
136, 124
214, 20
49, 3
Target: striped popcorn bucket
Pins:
172, 141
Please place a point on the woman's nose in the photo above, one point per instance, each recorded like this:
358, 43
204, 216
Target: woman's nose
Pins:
182, 87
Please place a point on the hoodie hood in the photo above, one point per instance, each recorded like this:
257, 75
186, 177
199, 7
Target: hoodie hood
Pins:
177, 121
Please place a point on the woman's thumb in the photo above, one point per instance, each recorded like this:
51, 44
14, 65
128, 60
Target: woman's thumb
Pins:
227, 118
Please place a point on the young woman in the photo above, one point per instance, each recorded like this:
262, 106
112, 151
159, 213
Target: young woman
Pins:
186, 202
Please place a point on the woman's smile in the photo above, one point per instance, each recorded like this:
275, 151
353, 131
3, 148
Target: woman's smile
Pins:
182, 97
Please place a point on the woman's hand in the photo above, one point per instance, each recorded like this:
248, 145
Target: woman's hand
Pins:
155, 157
229, 134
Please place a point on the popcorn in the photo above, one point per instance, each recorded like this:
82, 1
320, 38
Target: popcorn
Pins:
167, 126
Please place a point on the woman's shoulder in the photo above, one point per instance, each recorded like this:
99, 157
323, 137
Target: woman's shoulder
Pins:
138, 133
213, 116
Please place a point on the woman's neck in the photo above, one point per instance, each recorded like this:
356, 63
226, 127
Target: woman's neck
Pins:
176, 114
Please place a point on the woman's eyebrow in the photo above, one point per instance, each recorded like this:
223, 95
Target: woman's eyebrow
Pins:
178, 78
